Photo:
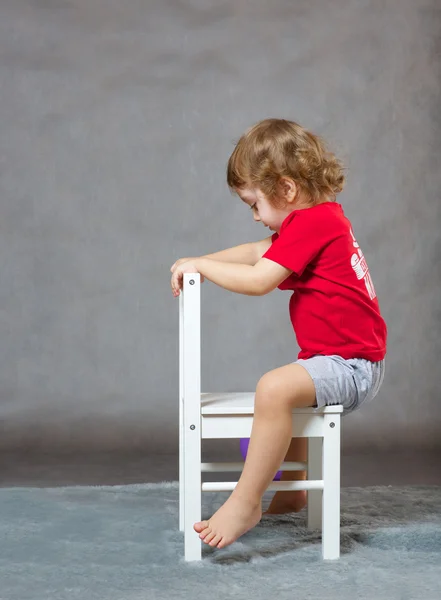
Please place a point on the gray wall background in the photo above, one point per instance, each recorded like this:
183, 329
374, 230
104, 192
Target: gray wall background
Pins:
117, 120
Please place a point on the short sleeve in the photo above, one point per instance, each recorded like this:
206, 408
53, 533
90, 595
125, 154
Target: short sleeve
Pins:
298, 243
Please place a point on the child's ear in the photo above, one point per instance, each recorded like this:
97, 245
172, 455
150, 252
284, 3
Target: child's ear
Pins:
288, 189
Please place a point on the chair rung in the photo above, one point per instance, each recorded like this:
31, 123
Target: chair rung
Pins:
275, 486
228, 467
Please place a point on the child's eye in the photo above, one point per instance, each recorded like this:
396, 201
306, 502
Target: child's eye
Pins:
251, 207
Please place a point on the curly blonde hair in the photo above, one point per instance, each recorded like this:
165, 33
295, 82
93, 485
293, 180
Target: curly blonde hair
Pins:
276, 148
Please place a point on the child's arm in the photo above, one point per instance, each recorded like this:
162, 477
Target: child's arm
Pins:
255, 280
245, 254
260, 276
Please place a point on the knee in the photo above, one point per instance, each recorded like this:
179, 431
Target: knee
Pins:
269, 392
267, 383
284, 388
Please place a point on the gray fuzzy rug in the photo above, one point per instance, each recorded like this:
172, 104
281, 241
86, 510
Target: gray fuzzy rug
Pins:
123, 543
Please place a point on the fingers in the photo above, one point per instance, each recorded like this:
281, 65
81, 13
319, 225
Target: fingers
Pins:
176, 283
177, 277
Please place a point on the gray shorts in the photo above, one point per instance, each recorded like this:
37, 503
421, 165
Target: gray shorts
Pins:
348, 382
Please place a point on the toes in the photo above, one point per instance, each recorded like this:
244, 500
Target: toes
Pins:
209, 537
200, 526
214, 542
204, 533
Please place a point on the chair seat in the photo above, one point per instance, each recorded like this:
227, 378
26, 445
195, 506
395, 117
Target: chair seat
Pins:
242, 403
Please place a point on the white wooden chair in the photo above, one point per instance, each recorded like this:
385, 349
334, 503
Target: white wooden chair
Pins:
230, 415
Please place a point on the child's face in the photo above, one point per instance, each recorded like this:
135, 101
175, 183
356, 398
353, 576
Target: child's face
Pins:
263, 211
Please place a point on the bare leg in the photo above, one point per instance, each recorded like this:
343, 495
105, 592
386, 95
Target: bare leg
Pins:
286, 502
277, 393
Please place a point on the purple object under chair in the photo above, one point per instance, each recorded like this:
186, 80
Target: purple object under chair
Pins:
244, 442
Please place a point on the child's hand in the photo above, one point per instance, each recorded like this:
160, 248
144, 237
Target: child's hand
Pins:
180, 267
180, 261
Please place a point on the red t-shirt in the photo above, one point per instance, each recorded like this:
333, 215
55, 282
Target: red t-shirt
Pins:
334, 308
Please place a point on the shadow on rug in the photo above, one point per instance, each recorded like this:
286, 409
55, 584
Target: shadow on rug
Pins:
124, 543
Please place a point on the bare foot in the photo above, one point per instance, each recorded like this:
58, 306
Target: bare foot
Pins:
233, 519
287, 502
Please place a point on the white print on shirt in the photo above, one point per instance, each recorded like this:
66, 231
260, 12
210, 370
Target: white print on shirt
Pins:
359, 264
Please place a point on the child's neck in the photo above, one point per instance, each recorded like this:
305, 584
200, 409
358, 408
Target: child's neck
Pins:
302, 201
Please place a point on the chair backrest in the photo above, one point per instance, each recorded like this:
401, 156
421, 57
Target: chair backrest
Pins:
190, 348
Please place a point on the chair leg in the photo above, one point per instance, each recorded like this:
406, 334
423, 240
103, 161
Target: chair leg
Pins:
315, 497
331, 491
190, 394
181, 412
181, 467
192, 493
